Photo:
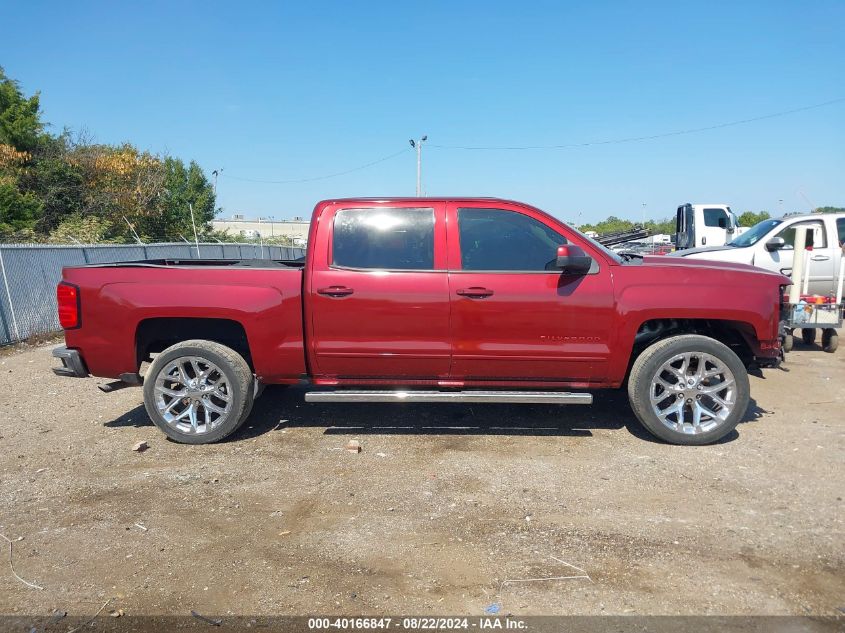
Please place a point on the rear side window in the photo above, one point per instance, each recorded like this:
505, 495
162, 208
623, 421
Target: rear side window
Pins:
840, 228
499, 240
384, 238
712, 217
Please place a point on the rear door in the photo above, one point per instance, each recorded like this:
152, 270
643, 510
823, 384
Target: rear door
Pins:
514, 316
820, 260
378, 295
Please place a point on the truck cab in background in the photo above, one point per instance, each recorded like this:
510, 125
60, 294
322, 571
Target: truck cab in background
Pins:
699, 225
770, 245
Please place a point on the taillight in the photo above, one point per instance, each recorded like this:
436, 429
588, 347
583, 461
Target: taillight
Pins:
67, 296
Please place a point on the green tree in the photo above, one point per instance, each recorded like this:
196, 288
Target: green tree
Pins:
830, 210
20, 119
749, 218
56, 180
182, 188
18, 211
87, 229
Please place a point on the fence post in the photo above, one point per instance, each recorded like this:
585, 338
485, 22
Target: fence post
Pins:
9, 297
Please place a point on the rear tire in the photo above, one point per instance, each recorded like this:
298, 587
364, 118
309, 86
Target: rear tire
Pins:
689, 389
830, 341
808, 335
788, 342
198, 391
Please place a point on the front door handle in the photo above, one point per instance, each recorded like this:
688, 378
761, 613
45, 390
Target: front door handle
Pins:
476, 292
335, 291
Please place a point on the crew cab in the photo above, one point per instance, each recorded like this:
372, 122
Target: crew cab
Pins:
428, 300
769, 244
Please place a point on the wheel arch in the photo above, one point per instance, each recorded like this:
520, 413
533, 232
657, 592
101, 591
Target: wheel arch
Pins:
739, 336
154, 335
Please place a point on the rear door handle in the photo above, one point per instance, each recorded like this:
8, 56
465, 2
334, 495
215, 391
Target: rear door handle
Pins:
820, 258
335, 291
475, 292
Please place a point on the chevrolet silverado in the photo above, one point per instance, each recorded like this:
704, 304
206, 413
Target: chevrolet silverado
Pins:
428, 300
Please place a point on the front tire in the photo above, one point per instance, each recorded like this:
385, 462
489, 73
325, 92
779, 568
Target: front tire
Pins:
198, 391
689, 389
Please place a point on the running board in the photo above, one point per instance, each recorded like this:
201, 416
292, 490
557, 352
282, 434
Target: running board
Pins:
493, 397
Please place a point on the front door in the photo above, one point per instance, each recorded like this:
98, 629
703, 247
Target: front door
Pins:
714, 229
379, 303
514, 316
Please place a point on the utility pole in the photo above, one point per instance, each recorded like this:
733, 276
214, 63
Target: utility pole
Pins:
644, 205
216, 173
418, 146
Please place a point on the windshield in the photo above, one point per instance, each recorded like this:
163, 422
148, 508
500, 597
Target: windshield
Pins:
755, 233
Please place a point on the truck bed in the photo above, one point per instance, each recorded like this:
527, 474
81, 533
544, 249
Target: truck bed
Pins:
131, 309
226, 263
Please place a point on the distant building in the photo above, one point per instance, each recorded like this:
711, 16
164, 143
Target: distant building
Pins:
295, 229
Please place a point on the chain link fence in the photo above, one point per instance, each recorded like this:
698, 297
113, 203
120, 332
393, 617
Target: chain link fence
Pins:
29, 274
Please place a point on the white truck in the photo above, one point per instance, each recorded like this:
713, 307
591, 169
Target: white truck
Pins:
770, 243
699, 225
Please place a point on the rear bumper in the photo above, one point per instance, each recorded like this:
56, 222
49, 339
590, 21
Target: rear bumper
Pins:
73, 365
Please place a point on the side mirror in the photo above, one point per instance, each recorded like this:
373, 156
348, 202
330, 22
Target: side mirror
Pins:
775, 244
573, 260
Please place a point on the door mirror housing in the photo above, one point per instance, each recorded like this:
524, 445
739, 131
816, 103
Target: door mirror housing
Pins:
573, 260
775, 244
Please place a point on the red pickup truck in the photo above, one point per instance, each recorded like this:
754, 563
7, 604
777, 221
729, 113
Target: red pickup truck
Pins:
428, 300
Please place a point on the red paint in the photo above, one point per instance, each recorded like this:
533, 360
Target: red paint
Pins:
444, 327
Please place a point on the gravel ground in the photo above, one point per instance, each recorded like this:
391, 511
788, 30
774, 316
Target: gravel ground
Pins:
446, 507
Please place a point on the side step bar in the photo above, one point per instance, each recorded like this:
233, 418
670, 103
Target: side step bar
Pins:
493, 397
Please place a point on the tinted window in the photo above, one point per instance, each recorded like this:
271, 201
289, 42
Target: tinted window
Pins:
493, 239
815, 235
840, 228
384, 238
713, 216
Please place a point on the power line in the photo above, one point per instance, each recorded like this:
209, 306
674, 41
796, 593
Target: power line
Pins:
644, 138
325, 177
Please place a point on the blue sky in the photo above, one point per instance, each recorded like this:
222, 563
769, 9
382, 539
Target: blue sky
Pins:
284, 90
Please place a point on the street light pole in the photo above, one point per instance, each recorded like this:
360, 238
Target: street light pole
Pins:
418, 146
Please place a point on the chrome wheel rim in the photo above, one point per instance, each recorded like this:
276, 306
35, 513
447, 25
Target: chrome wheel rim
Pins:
693, 393
192, 395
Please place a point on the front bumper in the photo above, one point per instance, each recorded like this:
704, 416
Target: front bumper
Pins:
72, 364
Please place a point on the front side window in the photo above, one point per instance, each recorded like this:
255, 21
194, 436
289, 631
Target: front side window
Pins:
495, 239
384, 238
815, 235
716, 218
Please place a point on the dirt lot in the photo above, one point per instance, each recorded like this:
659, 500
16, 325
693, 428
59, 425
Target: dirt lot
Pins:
445, 504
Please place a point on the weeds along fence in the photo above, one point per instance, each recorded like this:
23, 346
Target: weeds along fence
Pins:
29, 274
